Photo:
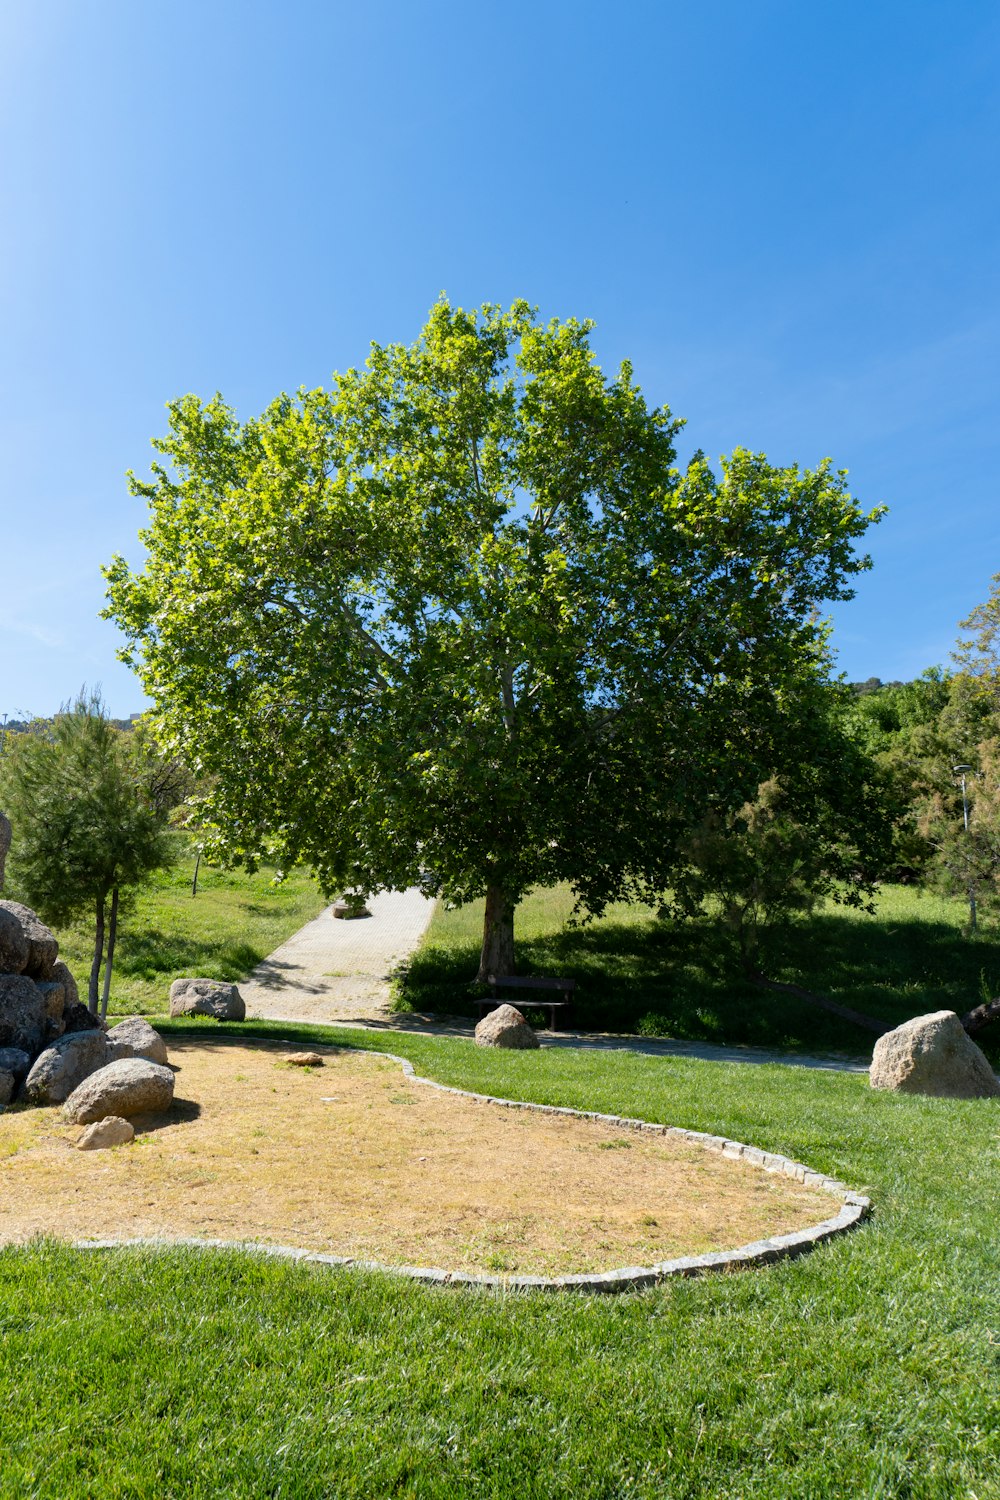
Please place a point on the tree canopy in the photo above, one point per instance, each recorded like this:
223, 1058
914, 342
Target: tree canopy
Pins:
460, 619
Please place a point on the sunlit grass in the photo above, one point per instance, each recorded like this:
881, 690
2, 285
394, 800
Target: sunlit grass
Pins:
223, 932
868, 1369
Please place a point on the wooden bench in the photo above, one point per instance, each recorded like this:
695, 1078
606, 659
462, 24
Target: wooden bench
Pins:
564, 987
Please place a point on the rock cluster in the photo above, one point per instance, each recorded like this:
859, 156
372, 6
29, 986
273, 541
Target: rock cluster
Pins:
39, 1002
53, 1051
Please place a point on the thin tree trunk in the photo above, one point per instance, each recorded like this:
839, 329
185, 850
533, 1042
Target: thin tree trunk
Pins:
95, 968
112, 934
194, 883
870, 1023
498, 936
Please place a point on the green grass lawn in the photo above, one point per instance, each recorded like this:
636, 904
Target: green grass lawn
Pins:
222, 933
870, 1368
637, 973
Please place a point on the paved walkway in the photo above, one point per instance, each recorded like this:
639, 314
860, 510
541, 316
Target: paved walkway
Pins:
338, 971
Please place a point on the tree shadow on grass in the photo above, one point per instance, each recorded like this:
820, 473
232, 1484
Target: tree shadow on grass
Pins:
681, 979
150, 953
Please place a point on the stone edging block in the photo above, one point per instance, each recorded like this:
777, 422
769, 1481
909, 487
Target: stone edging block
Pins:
854, 1210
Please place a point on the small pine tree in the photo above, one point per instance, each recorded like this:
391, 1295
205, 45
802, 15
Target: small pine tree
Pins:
89, 817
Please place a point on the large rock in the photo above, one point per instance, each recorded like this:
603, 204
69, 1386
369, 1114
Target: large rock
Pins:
4, 843
54, 995
13, 944
61, 975
22, 1013
128, 1087
933, 1054
43, 950
8, 1083
112, 1131
136, 1038
206, 997
58, 1070
505, 1027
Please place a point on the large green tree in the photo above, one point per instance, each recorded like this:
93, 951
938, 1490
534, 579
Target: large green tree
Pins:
460, 619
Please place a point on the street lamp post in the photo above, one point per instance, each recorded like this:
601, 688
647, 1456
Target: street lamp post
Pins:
962, 771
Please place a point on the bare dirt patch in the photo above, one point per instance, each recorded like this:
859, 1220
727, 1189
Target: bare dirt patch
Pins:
356, 1159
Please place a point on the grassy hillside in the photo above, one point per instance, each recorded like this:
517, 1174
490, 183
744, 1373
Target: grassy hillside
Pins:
222, 933
635, 972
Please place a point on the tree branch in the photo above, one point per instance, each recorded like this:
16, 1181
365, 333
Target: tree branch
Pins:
870, 1023
982, 1015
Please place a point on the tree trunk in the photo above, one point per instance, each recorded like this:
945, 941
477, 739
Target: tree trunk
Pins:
112, 934
194, 882
498, 935
982, 1016
95, 968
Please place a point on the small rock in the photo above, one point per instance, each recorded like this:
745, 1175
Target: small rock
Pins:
111, 1131
933, 1055
60, 1068
135, 1037
304, 1060
43, 950
78, 1018
130, 1086
206, 997
346, 911
505, 1027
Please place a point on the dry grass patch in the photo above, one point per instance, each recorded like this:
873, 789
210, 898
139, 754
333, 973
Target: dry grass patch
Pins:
356, 1159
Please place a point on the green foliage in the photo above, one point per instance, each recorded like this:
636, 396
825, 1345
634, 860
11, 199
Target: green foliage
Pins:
760, 865
460, 620
89, 805
77, 794
867, 1368
820, 825
636, 972
877, 713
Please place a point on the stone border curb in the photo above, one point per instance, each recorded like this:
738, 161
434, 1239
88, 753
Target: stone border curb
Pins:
855, 1209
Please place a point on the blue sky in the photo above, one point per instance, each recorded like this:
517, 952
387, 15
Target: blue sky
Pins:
785, 214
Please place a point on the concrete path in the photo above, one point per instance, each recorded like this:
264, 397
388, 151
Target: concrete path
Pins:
336, 970
457, 1026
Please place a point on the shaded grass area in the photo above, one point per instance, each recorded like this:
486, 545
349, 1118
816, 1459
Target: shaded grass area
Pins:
870, 1368
637, 973
223, 932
